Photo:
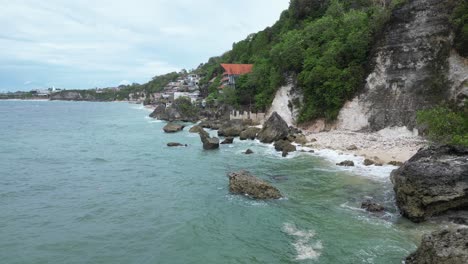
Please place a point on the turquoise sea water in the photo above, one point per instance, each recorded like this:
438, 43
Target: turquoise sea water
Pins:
95, 183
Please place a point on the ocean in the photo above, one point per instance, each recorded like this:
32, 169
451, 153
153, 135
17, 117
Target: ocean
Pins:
84, 182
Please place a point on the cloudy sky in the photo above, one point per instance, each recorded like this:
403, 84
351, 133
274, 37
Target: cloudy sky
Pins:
100, 43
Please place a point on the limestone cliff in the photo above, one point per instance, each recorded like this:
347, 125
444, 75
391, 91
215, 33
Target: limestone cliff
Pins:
414, 67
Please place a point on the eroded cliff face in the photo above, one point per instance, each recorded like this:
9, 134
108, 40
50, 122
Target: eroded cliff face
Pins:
414, 68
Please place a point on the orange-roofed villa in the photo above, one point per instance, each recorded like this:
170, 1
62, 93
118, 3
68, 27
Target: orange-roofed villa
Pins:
232, 71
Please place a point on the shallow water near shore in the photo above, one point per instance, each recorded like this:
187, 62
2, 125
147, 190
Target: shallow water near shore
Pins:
95, 183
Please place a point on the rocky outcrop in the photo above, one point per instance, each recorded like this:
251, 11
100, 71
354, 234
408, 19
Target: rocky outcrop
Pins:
413, 69
158, 111
396, 163
447, 246
346, 163
432, 182
173, 128
231, 128
248, 152
243, 182
285, 147
249, 133
274, 129
176, 112
209, 143
175, 144
212, 124
372, 206
196, 129
82, 95
228, 140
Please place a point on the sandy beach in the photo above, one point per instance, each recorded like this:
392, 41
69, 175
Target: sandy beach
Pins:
397, 144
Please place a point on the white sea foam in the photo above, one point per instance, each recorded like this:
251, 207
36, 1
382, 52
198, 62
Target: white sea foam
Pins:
376, 172
305, 247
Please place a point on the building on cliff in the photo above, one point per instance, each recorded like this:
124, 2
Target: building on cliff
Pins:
232, 72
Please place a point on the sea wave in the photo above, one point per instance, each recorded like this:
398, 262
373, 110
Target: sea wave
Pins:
306, 247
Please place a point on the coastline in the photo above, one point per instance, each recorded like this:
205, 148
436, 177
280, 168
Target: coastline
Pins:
388, 145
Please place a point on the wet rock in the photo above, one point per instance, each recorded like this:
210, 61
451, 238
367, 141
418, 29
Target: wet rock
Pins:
432, 182
249, 133
447, 246
228, 140
243, 182
352, 147
173, 128
372, 206
175, 144
209, 143
231, 128
396, 163
300, 139
274, 129
248, 152
195, 129
368, 162
346, 163
285, 147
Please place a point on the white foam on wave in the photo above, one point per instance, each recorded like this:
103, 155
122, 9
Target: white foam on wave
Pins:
380, 173
305, 247
376, 172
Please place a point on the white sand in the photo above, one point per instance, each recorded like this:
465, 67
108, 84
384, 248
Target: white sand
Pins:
397, 144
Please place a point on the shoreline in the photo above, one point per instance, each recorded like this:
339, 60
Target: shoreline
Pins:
388, 145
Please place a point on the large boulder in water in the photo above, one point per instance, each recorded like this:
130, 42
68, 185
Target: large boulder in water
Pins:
243, 182
173, 127
249, 133
209, 143
274, 129
284, 146
447, 246
432, 182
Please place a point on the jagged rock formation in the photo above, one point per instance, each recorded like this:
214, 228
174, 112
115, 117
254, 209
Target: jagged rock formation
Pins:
209, 143
432, 182
274, 129
249, 133
243, 182
447, 246
414, 68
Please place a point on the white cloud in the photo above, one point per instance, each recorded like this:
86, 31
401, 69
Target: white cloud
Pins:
115, 39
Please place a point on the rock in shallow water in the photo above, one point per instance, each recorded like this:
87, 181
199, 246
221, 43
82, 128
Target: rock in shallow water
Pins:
432, 182
372, 206
175, 144
242, 182
173, 128
209, 143
228, 140
285, 147
346, 163
448, 246
249, 133
248, 152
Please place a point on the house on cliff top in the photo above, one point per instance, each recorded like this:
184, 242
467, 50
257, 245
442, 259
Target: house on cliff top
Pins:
232, 72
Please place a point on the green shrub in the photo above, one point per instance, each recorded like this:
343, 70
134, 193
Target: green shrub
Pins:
444, 125
460, 24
